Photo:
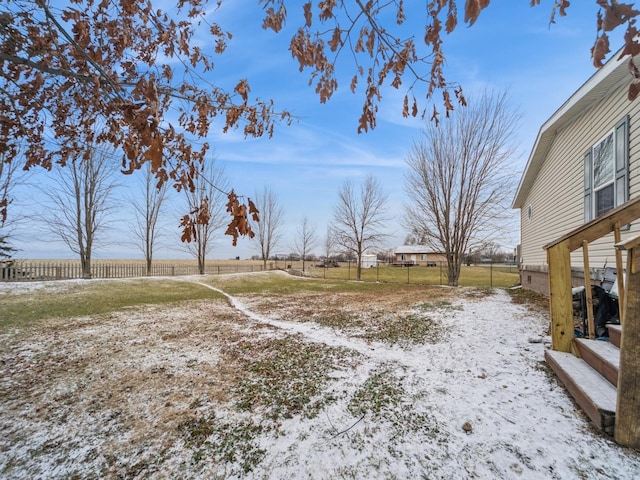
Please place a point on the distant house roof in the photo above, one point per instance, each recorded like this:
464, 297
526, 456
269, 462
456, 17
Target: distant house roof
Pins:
414, 249
613, 74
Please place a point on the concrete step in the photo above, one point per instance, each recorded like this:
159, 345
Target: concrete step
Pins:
601, 356
595, 395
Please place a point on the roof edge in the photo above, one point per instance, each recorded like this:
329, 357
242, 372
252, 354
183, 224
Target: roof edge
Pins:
586, 96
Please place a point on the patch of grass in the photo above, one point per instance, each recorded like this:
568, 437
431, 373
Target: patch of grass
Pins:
196, 431
436, 305
410, 328
224, 441
94, 298
534, 300
479, 293
276, 283
381, 391
285, 377
384, 398
338, 320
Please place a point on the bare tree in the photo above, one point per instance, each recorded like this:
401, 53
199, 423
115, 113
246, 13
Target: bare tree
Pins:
411, 239
269, 229
305, 240
82, 201
458, 180
147, 213
210, 184
359, 218
329, 244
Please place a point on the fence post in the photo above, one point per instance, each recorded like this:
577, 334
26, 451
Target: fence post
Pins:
491, 274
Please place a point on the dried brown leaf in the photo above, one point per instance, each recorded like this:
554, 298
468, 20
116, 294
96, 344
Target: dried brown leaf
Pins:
472, 10
616, 14
600, 50
634, 90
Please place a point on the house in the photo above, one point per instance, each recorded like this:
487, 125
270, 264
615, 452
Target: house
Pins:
409, 255
585, 162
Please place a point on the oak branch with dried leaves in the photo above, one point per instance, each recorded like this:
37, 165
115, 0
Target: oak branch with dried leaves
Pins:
65, 65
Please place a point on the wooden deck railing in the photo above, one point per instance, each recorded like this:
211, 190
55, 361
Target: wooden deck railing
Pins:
561, 306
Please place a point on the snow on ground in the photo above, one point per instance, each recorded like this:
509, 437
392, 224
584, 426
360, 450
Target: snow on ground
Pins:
480, 403
488, 375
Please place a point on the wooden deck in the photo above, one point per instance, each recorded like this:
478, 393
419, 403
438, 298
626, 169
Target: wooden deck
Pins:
600, 369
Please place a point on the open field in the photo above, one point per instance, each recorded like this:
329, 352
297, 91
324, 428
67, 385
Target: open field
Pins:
273, 376
472, 276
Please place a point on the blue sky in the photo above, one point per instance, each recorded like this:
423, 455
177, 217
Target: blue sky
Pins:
511, 46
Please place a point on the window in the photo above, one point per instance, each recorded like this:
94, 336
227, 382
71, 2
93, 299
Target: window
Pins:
606, 167
603, 179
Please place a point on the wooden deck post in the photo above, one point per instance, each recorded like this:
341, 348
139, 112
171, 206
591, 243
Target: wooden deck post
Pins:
560, 296
627, 430
587, 290
619, 272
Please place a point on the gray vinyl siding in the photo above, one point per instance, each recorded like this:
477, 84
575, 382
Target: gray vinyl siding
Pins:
557, 195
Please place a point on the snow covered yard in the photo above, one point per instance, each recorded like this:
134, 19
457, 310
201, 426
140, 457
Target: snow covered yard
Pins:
319, 386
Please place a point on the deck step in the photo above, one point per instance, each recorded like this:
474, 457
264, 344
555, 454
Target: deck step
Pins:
602, 356
615, 332
593, 393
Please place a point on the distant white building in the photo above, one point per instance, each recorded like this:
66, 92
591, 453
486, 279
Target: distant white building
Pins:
368, 260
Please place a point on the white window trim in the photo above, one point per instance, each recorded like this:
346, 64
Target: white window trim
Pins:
620, 178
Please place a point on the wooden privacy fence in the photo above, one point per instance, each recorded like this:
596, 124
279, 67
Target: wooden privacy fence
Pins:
25, 271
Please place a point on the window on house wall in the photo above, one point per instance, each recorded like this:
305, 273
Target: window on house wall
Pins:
606, 172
